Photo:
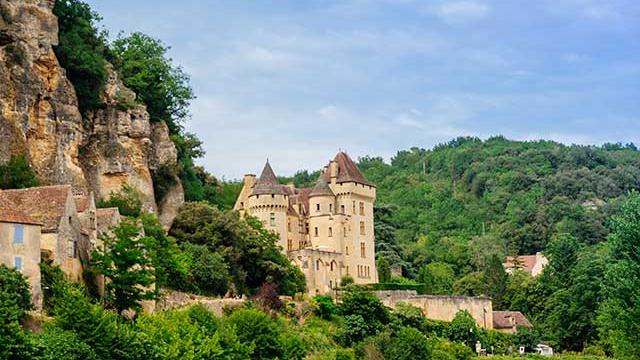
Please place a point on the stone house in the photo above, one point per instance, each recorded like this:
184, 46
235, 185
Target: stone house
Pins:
327, 230
64, 241
20, 245
532, 264
509, 321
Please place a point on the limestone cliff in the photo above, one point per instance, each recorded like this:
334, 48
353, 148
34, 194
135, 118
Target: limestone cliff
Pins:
98, 151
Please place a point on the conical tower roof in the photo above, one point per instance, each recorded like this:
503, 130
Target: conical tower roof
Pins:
347, 170
321, 188
267, 183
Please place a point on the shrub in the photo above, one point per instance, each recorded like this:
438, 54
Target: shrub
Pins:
324, 306
54, 343
256, 328
463, 328
267, 297
15, 300
209, 274
404, 344
346, 280
128, 200
17, 174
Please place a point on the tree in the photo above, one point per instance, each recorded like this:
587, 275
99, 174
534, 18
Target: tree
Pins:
256, 328
15, 300
384, 270
145, 68
364, 314
17, 174
404, 343
125, 262
463, 328
437, 278
128, 200
495, 279
208, 271
620, 311
81, 51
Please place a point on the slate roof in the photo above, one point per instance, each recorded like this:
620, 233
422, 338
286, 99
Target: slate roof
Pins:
10, 214
347, 170
509, 319
45, 204
268, 183
301, 196
321, 188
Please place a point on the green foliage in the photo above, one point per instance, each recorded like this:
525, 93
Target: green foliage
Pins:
463, 329
81, 50
403, 344
437, 278
145, 68
256, 328
495, 280
128, 200
55, 343
17, 174
249, 250
126, 265
15, 300
364, 314
209, 273
384, 270
53, 285
324, 307
346, 280
620, 312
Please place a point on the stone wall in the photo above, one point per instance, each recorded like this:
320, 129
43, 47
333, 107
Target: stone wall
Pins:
442, 307
28, 251
176, 299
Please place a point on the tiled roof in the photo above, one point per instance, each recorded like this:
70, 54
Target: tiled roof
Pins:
523, 262
321, 188
347, 170
82, 202
301, 196
10, 214
267, 183
509, 319
45, 204
104, 218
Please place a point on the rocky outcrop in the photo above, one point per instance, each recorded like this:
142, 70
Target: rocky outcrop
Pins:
39, 117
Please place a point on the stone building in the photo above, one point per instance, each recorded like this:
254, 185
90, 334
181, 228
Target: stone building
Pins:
532, 264
63, 240
326, 230
20, 245
509, 321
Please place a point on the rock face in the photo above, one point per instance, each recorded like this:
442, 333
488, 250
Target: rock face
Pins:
39, 117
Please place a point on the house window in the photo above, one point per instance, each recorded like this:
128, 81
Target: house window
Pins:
342, 209
17, 261
362, 250
361, 227
330, 231
18, 234
272, 219
316, 231
361, 208
317, 207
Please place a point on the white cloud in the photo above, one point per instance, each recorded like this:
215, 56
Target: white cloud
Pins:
458, 12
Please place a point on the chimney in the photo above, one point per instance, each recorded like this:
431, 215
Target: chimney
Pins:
291, 186
333, 171
249, 180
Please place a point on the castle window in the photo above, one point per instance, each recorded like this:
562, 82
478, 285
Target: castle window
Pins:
330, 207
361, 208
330, 231
316, 231
342, 209
354, 208
272, 219
273, 196
289, 226
318, 265
362, 250
344, 231
305, 264
317, 207
18, 234
333, 264
331, 284
347, 269
306, 228
241, 205
17, 262
361, 227
289, 244
300, 244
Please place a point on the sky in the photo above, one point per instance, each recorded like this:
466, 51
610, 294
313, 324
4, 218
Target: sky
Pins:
296, 81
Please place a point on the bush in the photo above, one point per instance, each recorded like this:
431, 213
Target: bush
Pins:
54, 343
256, 328
463, 328
128, 200
209, 274
15, 300
404, 344
346, 280
17, 174
324, 306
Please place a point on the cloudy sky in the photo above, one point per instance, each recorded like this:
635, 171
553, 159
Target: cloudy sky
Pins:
295, 81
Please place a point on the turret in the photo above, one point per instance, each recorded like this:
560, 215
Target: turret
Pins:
321, 198
269, 202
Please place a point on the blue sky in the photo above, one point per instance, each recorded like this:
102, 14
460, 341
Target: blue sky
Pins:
295, 81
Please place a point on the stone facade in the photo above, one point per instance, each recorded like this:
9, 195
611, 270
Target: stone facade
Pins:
326, 230
442, 307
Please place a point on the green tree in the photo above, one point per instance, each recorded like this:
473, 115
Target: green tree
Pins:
437, 278
55, 343
620, 310
81, 50
256, 328
209, 274
403, 344
17, 174
364, 314
495, 279
463, 328
15, 300
126, 265
128, 200
384, 270
145, 68
324, 306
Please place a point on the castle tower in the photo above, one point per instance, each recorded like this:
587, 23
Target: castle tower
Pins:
323, 225
269, 202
